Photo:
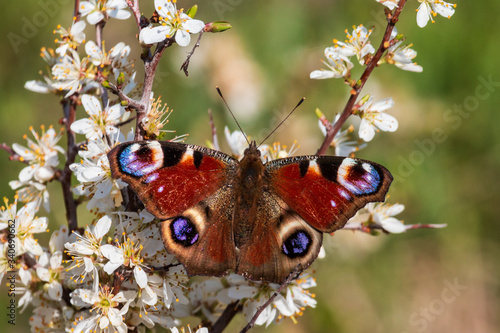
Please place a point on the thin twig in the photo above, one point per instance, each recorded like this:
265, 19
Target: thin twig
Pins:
372, 227
134, 7
392, 19
185, 64
215, 141
13, 155
150, 65
292, 276
130, 101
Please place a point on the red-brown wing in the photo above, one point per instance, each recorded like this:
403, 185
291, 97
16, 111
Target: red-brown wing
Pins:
279, 242
326, 191
170, 177
202, 236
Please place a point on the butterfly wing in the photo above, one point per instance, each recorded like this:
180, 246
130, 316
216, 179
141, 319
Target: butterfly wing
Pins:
170, 177
280, 241
326, 191
188, 187
202, 236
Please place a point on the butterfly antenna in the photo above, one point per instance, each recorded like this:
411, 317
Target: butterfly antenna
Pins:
274, 130
232, 114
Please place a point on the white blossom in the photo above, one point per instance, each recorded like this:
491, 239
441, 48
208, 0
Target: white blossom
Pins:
8, 213
99, 10
67, 73
430, 8
85, 252
338, 65
401, 55
373, 118
26, 225
41, 155
106, 314
381, 214
173, 22
100, 122
32, 191
357, 44
70, 38
52, 272
94, 174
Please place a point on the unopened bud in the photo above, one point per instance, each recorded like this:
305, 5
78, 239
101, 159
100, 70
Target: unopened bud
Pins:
319, 114
191, 12
105, 84
218, 26
120, 80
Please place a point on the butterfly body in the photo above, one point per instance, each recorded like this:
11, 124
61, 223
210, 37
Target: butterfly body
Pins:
258, 220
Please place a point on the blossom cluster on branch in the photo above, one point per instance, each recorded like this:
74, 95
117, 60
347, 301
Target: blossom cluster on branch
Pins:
114, 274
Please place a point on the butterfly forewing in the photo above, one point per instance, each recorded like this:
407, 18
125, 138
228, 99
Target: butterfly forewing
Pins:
170, 177
327, 190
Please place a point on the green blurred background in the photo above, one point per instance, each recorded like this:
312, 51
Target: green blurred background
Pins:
398, 283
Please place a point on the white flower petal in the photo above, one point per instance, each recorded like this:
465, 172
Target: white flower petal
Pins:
393, 225
102, 226
193, 26
182, 38
385, 122
321, 74
95, 17
366, 130
423, 15
141, 278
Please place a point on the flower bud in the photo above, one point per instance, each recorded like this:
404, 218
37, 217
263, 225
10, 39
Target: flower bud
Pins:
217, 26
191, 12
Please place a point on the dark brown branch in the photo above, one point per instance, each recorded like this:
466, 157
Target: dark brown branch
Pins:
76, 11
69, 109
229, 312
292, 276
392, 19
185, 64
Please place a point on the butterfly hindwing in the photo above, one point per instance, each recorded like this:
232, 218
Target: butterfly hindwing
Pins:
201, 237
279, 242
170, 177
327, 191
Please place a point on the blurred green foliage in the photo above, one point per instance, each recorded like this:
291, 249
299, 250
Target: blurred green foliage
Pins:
366, 284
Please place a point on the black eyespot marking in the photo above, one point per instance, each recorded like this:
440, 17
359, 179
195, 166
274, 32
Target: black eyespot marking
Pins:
171, 156
303, 167
197, 157
328, 170
208, 212
297, 245
184, 231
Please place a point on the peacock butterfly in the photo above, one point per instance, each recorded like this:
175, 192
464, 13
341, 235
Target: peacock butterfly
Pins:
258, 220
